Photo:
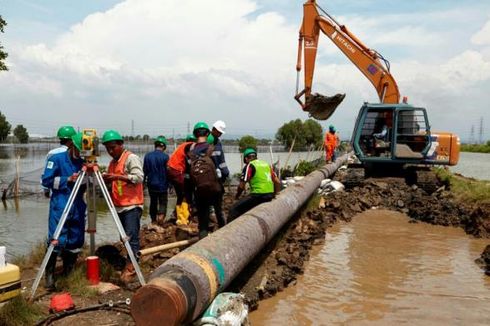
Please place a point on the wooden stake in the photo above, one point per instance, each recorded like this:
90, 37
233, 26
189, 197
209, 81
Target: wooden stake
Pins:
152, 250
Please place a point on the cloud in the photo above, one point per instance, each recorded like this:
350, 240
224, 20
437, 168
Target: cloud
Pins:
163, 63
482, 37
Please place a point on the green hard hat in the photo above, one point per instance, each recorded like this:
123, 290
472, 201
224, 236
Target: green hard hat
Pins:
162, 140
111, 135
77, 140
66, 132
210, 139
331, 127
190, 137
201, 125
249, 151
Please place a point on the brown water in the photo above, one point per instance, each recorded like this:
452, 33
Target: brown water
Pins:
379, 269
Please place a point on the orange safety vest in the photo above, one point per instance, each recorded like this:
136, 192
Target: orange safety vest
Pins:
330, 144
124, 193
177, 159
331, 140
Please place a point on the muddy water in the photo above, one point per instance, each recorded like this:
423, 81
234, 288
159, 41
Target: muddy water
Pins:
380, 269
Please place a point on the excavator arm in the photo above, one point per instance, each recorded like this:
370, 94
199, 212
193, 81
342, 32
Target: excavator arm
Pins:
368, 61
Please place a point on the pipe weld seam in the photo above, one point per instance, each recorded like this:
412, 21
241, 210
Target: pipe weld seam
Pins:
207, 269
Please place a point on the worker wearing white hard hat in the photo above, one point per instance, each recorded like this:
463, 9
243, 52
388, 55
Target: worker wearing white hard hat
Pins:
218, 128
219, 158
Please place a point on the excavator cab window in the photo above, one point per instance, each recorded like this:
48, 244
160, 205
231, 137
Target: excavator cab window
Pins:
377, 132
412, 136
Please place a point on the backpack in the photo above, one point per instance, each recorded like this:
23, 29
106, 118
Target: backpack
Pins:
203, 174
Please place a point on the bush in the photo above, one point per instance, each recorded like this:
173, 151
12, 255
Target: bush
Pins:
304, 168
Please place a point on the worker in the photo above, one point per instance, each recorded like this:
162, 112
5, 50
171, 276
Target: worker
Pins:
218, 157
264, 184
380, 142
203, 179
155, 171
125, 176
176, 174
331, 143
383, 126
60, 175
64, 135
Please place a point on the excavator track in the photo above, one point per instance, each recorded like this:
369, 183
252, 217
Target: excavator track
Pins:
354, 177
427, 181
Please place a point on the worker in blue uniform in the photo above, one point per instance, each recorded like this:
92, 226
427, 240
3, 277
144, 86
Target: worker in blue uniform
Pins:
60, 174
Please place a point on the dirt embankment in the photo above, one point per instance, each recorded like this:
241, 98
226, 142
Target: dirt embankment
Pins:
282, 261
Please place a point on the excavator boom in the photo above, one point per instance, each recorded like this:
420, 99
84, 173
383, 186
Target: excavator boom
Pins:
368, 61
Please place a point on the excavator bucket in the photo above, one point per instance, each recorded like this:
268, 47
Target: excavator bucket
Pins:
322, 107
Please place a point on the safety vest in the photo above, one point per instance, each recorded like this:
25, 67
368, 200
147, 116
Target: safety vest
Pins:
124, 193
331, 140
177, 159
261, 182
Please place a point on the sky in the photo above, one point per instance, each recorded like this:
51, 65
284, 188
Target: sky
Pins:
159, 66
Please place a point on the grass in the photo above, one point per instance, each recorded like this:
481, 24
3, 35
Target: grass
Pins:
76, 283
476, 148
468, 190
19, 312
33, 259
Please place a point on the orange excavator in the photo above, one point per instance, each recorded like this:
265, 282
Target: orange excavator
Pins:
388, 135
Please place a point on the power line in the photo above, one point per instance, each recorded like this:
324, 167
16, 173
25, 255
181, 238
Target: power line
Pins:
480, 140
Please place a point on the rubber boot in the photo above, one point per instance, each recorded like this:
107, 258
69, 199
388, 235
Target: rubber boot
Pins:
203, 234
178, 213
50, 278
183, 214
69, 261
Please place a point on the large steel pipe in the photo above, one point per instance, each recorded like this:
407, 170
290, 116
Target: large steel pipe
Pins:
182, 288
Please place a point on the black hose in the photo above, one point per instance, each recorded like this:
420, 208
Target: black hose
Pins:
116, 306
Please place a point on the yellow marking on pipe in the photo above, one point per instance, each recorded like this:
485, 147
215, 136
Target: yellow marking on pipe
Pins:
207, 268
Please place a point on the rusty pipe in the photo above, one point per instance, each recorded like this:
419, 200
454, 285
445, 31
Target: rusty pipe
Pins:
181, 288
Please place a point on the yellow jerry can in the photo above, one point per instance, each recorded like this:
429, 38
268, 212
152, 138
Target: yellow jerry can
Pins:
9, 282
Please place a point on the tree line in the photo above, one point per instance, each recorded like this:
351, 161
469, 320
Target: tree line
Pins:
20, 132
295, 135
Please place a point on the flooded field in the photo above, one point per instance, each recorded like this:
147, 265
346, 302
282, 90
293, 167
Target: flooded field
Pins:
473, 165
380, 269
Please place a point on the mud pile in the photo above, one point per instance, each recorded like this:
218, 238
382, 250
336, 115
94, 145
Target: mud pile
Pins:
484, 260
439, 208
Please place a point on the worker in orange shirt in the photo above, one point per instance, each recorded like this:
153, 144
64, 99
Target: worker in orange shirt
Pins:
331, 143
176, 174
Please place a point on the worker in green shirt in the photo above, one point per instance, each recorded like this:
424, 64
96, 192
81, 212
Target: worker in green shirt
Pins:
264, 184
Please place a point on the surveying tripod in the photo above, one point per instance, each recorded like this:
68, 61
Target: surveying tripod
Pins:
89, 169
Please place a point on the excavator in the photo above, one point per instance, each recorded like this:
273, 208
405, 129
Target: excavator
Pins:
389, 136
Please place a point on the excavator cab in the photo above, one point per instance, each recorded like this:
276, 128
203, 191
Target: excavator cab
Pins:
397, 133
